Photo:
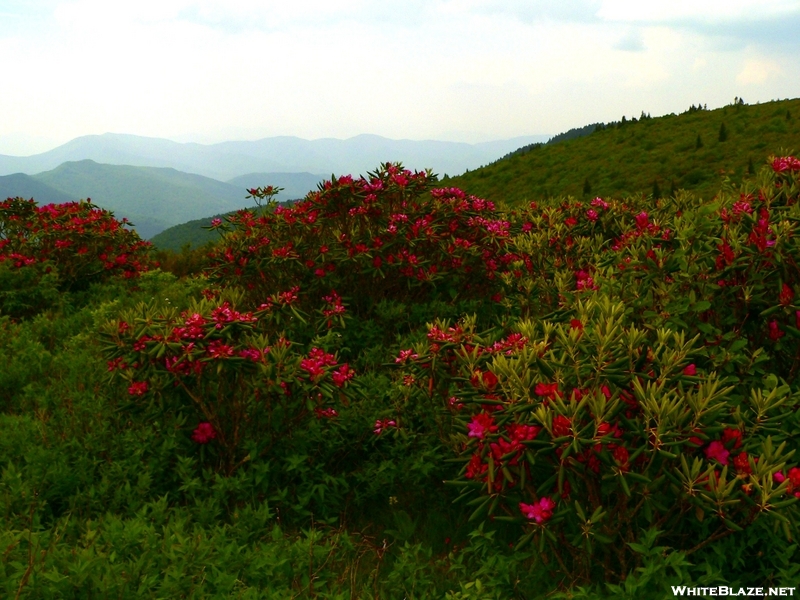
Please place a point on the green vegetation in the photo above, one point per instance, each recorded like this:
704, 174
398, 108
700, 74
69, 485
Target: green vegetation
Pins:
392, 389
625, 158
189, 235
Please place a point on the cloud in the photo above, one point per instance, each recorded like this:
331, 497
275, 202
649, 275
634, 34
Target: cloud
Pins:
756, 72
528, 11
631, 42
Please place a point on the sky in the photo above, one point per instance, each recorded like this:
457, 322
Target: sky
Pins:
458, 70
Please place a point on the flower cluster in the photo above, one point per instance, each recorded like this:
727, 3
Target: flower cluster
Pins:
84, 243
378, 232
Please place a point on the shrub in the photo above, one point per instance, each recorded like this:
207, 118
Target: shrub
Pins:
72, 244
374, 238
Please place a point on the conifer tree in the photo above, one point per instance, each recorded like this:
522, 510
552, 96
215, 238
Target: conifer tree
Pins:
656, 190
723, 133
699, 143
587, 187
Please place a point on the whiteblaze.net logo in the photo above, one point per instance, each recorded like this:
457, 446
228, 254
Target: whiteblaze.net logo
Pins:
725, 591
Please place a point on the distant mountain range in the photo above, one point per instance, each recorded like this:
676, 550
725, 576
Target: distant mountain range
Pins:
152, 198
157, 183
227, 160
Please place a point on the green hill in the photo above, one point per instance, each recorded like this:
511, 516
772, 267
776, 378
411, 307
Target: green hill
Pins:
191, 233
153, 198
20, 185
690, 151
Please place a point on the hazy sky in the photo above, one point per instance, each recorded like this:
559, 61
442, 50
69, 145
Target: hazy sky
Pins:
462, 70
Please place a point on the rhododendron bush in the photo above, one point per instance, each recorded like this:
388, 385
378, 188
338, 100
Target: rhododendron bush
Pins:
588, 430
389, 235
651, 384
246, 386
67, 245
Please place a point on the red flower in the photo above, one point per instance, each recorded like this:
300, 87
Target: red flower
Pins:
325, 413
547, 390
382, 424
621, 456
775, 332
576, 324
794, 479
742, 464
690, 370
475, 467
786, 296
642, 220
522, 433
487, 378
204, 433
343, 374
137, 388
570, 221
561, 426
603, 429
732, 435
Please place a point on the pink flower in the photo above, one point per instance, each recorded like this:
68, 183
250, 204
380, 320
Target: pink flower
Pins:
540, 511
642, 220
785, 163
138, 388
342, 375
204, 433
716, 451
216, 222
480, 425
690, 370
405, 355
382, 424
325, 413
591, 214
219, 349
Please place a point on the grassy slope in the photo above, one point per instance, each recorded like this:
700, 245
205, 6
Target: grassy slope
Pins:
627, 160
